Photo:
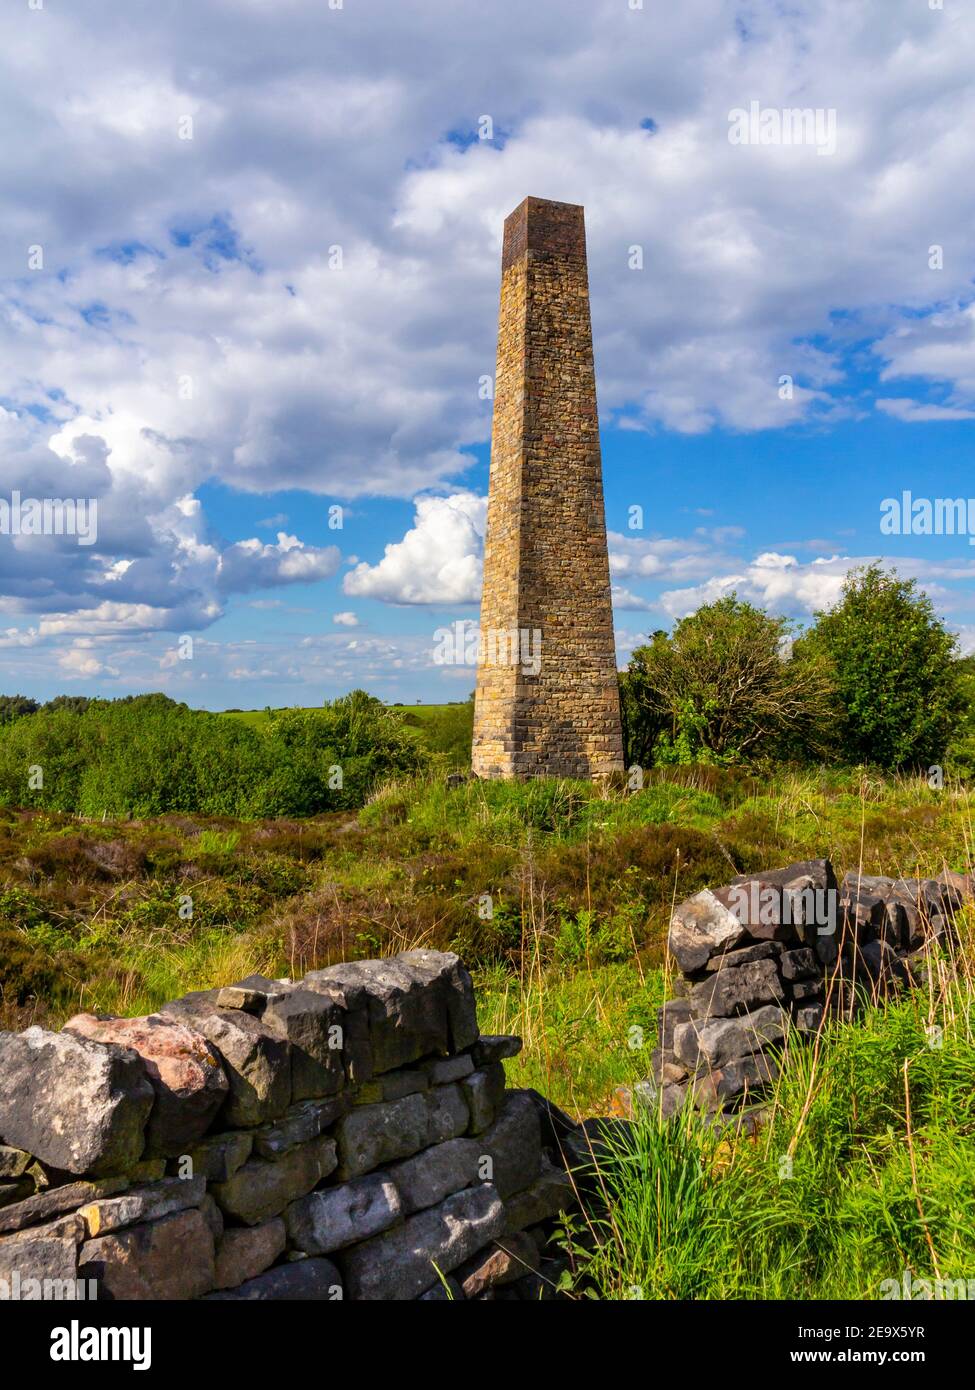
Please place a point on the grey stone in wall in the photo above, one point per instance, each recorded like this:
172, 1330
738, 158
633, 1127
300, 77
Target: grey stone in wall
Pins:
338, 1216
551, 1192
404, 1262
66, 1197
42, 1253
257, 1062
738, 991
108, 1214
219, 1156
723, 1039
308, 1281
483, 1091
373, 1134
702, 927
514, 1144
424, 1180
313, 1025
262, 1188
77, 1105
495, 1047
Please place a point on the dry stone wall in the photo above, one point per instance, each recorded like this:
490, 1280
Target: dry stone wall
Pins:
763, 960
343, 1136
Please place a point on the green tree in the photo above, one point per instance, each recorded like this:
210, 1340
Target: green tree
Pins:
15, 707
896, 671
723, 687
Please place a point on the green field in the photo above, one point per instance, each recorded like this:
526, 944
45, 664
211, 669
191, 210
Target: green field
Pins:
580, 886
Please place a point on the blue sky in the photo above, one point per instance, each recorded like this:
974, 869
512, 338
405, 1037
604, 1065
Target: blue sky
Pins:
250, 273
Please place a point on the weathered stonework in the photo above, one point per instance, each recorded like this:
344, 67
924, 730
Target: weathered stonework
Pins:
546, 568
413, 1160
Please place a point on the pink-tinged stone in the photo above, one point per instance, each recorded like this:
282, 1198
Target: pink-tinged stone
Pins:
185, 1072
168, 1259
244, 1252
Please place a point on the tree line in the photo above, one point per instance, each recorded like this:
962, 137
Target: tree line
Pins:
876, 680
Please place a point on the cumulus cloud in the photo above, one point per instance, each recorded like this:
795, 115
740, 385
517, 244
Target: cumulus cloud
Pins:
777, 582
252, 565
624, 599
438, 560
667, 558
214, 308
345, 619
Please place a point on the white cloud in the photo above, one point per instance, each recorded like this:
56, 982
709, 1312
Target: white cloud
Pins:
437, 561
79, 662
777, 582
624, 599
190, 322
917, 412
666, 558
345, 619
253, 565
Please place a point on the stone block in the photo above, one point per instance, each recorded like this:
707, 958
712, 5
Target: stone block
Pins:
551, 1193
244, 1252
701, 928
723, 1040
500, 1263
728, 993
428, 1177
714, 1089
184, 1070
262, 1189
257, 1061
800, 964
141, 1204
41, 1263
168, 1259
403, 1263
495, 1047
745, 955
57, 1200
76, 1105
218, 1157
484, 1091
314, 1026
301, 1122
513, 1145
373, 1134
338, 1216
308, 1281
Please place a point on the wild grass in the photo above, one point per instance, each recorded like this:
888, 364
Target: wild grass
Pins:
865, 1169
551, 883
558, 895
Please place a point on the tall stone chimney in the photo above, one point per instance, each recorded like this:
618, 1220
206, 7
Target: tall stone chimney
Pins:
547, 701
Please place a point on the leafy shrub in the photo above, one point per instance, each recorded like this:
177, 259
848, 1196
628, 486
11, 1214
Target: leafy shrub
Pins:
150, 756
722, 688
895, 668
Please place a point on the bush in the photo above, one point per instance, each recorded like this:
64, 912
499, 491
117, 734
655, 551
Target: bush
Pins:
346, 748
895, 668
150, 756
722, 688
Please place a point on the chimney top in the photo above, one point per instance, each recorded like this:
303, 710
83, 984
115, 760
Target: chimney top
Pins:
540, 226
